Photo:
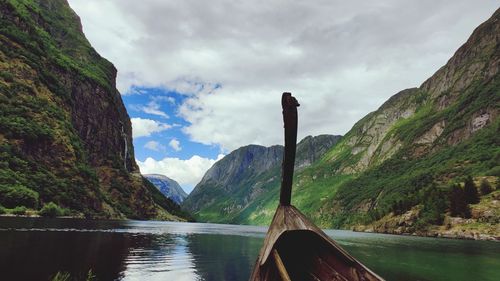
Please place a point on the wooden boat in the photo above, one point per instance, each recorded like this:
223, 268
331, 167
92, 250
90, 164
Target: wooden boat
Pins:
294, 248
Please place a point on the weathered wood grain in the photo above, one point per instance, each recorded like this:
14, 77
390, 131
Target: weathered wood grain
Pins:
307, 253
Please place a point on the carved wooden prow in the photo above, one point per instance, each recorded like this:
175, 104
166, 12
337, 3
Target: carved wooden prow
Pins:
289, 105
294, 248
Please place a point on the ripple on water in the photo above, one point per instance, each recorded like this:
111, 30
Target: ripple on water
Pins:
139, 250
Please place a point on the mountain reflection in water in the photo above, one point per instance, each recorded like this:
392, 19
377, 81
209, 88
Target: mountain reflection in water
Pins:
38, 248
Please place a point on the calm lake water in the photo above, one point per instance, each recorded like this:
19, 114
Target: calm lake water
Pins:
35, 249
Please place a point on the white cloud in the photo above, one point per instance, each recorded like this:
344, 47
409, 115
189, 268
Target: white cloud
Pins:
145, 127
154, 108
341, 59
154, 145
171, 100
175, 144
187, 172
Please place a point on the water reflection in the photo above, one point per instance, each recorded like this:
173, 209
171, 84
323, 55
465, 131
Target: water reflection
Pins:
38, 255
207, 257
232, 257
161, 257
35, 249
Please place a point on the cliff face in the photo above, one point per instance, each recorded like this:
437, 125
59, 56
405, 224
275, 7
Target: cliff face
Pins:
422, 139
450, 107
233, 181
245, 176
168, 187
311, 149
65, 135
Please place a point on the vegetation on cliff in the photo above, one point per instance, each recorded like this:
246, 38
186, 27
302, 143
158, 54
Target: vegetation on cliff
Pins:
65, 136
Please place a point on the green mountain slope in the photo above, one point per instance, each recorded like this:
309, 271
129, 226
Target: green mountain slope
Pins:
65, 136
394, 170
404, 157
245, 176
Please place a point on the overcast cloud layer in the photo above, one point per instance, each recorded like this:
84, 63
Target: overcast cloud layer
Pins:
233, 59
341, 59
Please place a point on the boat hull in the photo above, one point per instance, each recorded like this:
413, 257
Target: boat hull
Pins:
306, 252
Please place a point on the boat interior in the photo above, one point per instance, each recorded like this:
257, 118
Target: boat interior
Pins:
304, 255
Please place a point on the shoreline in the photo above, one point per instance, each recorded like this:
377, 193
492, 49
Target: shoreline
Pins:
463, 235
455, 235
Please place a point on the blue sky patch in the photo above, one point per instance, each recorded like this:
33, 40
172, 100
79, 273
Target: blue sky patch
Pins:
162, 106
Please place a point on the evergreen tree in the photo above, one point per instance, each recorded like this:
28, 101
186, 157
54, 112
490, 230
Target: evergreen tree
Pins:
470, 189
485, 187
434, 207
458, 205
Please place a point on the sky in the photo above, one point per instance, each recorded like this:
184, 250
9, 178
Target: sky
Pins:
202, 78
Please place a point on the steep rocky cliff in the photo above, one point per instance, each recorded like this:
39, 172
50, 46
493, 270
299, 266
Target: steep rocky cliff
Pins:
168, 187
246, 175
65, 135
406, 155
396, 169
311, 149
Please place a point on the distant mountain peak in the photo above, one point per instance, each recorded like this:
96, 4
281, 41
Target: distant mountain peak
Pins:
168, 187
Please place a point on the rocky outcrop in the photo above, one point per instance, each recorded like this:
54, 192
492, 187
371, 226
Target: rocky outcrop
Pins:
430, 136
368, 142
312, 148
63, 119
470, 62
482, 225
168, 187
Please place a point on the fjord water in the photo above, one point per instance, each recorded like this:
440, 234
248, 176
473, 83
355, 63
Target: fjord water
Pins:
37, 248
